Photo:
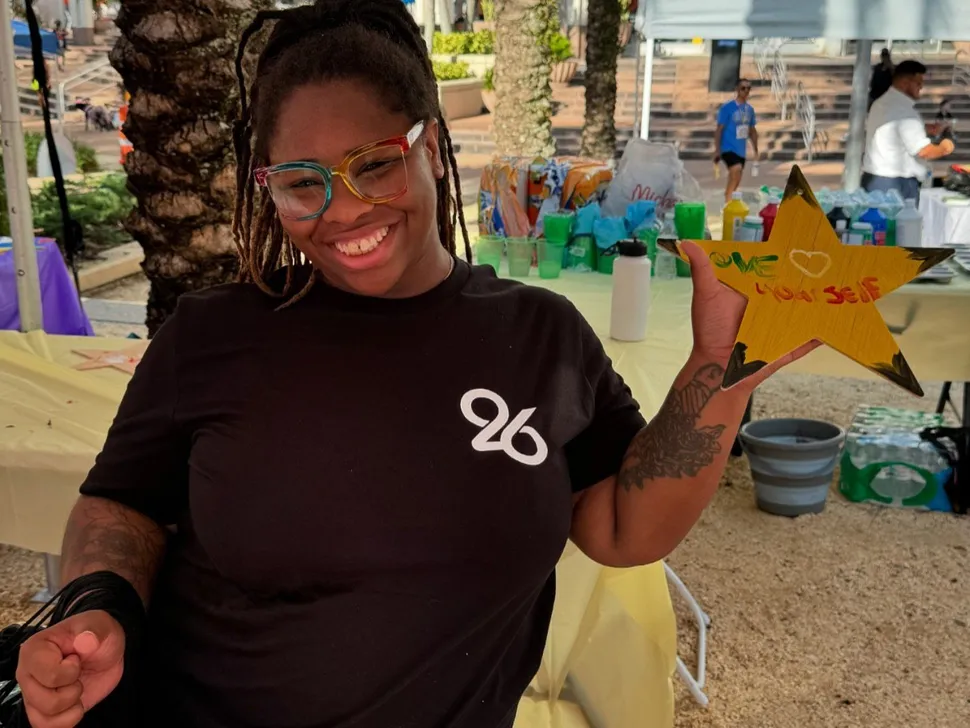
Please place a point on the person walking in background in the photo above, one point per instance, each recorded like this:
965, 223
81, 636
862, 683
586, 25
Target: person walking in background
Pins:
882, 76
736, 123
897, 146
61, 35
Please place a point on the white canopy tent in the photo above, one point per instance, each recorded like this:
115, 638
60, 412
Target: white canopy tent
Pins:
851, 19
861, 20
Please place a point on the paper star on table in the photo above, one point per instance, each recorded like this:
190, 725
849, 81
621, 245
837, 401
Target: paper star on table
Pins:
124, 360
804, 284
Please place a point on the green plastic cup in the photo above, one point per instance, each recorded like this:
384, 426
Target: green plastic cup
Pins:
558, 226
605, 260
521, 252
550, 258
488, 251
690, 219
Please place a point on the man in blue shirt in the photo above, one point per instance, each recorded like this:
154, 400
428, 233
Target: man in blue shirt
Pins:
735, 126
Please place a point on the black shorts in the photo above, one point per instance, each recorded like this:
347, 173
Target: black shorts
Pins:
732, 160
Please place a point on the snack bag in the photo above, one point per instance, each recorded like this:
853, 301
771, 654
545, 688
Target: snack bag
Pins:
502, 198
546, 180
585, 183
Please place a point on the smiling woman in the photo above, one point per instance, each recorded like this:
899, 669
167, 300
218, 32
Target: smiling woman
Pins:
386, 141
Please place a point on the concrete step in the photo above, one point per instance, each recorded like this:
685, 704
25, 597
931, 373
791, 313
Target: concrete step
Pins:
781, 146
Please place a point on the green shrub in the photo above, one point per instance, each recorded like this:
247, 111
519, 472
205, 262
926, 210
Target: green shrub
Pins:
32, 142
488, 81
87, 158
100, 207
482, 42
451, 71
456, 44
559, 47
450, 44
488, 10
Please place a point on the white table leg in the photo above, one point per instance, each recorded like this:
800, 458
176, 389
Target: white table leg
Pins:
52, 568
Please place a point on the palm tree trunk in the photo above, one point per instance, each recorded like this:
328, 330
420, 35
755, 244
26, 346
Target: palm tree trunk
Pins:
522, 121
602, 49
176, 61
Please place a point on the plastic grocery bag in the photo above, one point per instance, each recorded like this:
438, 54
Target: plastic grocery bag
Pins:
649, 171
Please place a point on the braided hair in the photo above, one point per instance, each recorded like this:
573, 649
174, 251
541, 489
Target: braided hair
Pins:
375, 41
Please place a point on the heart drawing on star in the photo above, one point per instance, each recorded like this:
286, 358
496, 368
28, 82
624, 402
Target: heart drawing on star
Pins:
814, 264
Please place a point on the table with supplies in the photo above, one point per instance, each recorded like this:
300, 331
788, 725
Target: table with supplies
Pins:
946, 218
612, 643
62, 309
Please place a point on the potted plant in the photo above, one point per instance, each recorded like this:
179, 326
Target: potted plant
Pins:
459, 92
564, 66
488, 90
488, 16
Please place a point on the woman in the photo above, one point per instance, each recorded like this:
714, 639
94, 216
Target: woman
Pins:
371, 464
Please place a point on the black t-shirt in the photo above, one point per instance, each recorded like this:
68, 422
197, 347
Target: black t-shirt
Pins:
370, 496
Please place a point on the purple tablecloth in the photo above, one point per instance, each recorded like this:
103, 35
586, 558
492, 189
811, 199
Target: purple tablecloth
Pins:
63, 313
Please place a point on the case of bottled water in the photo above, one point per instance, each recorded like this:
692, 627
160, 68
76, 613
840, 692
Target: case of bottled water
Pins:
886, 462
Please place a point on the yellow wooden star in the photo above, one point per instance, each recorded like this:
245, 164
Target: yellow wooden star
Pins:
804, 284
124, 360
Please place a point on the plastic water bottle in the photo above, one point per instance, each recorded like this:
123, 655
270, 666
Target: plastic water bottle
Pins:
909, 226
666, 262
631, 292
874, 217
768, 215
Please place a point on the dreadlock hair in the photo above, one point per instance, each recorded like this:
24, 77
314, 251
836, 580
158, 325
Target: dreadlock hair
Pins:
375, 41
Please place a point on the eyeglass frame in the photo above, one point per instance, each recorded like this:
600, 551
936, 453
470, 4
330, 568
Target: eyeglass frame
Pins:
342, 170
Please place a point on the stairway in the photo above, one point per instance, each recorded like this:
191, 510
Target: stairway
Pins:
684, 113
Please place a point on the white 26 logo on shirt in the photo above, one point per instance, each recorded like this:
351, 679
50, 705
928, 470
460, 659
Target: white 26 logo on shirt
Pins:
497, 434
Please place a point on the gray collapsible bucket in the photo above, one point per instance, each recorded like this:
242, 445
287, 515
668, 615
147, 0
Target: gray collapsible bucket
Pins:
792, 463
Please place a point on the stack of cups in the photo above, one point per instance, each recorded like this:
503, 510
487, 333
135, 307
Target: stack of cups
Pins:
690, 219
557, 228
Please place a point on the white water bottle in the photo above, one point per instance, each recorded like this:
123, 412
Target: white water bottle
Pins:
631, 292
909, 226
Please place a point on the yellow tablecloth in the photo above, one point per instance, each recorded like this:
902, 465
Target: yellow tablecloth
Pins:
932, 317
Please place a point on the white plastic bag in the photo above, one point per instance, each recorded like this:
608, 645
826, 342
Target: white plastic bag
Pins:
650, 171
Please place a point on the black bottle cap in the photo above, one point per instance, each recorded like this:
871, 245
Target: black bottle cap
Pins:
631, 248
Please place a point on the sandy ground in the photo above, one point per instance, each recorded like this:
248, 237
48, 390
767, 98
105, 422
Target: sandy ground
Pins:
856, 617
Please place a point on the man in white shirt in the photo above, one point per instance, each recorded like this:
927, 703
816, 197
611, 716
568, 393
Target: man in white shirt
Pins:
897, 147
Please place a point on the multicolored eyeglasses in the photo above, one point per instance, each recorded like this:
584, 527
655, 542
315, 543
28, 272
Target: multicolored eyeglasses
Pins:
375, 173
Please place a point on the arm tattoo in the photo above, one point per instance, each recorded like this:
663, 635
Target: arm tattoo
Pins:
672, 445
105, 536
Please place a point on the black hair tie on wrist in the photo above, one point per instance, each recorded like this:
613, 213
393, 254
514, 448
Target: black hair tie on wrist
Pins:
102, 590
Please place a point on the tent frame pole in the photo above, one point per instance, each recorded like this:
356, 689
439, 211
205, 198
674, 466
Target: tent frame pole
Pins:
18, 193
858, 110
647, 49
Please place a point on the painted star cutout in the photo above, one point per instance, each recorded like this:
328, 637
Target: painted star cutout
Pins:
804, 284
124, 360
